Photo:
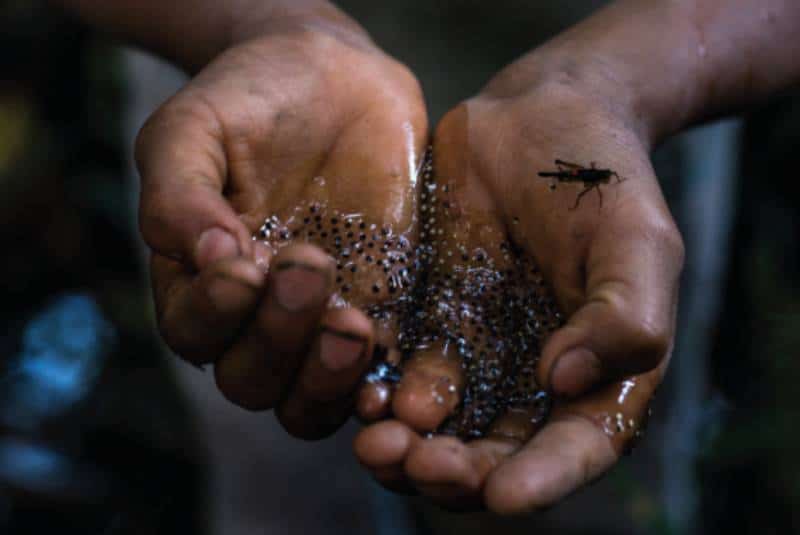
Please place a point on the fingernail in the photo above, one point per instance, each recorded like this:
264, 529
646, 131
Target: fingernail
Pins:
339, 350
213, 245
574, 372
297, 286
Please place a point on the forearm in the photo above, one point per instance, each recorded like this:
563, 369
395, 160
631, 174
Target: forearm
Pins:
192, 32
673, 63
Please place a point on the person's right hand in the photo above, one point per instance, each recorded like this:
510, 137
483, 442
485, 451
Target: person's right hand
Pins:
245, 140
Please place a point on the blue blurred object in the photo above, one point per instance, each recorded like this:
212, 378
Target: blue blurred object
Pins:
63, 351
37, 470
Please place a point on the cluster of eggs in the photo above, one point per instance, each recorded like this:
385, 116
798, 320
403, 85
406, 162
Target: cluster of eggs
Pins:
489, 307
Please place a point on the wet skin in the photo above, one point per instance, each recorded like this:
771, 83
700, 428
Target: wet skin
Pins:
288, 105
248, 139
243, 141
613, 269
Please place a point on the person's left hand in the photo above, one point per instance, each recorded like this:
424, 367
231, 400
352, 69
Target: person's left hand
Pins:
613, 267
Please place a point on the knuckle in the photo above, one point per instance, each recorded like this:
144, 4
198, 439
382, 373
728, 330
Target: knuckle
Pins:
675, 241
452, 121
651, 341
647, 335
661, 230
147, 138
672, 241
151, 218
242, 392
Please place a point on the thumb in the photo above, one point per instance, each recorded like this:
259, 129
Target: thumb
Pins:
183, 214
625, 326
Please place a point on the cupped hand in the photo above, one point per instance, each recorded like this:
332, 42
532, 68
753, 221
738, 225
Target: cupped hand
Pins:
283, 137
613, 268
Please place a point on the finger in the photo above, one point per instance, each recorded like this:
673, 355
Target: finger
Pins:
183, 213
626, 324
582, 441
374, 400
257, 371
323, 395
453, 473
519, 424
429, 390
382, 449
565, 455
200, 315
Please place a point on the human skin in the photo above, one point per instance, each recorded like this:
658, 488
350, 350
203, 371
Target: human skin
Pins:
639, 70
605, 91
284, 92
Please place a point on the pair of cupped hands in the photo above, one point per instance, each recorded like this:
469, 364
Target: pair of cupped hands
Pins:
245, 139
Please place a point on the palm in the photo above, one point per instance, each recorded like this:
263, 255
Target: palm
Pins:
489, 153
325, 136
540, 215
293, 139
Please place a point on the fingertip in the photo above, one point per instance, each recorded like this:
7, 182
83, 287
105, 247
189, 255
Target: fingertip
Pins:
233, 285
300, 278
345, 340
228, 296
306, 254
336, 362
340, 351
374, 401
384, 444
322, 394
234, 382
241, 270
424, 409
213, 245
199, 316
429, 391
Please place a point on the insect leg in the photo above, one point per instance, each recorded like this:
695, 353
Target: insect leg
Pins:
586, 190
562, 163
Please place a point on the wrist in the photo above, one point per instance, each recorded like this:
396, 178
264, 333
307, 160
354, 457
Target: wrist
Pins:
255, 19
578, 85
648, 72
191, 33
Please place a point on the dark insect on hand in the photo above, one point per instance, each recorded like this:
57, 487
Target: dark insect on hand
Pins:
592, 177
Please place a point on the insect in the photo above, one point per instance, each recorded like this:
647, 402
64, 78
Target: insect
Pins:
592, 177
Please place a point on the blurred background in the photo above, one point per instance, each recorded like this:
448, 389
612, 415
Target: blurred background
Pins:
103, 432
